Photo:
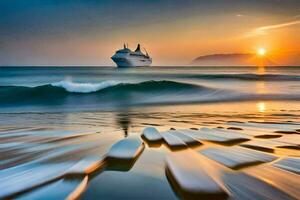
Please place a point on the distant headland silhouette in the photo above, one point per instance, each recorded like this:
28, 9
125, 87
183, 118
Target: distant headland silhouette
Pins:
233, 59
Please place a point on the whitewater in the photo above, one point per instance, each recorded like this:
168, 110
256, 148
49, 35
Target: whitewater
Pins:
84, 87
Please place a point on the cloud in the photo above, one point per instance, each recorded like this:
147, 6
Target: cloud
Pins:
264, 30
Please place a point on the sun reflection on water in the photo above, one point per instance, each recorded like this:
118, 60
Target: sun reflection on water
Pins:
261, 69
261, 107
260, 87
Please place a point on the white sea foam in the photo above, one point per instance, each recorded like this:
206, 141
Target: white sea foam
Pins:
84, 87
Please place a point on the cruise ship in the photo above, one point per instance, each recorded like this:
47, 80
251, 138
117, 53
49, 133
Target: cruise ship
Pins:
128, 58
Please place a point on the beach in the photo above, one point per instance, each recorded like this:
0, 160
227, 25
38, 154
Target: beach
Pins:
150, 133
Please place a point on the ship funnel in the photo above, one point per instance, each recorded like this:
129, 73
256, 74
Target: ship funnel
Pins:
138, 48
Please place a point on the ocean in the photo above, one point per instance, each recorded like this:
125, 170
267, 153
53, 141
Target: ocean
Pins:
57, 89
51, 118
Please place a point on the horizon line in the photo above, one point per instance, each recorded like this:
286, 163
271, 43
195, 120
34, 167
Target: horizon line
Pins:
110, 66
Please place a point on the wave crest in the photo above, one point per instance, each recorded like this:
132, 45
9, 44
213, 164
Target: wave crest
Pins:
84, 87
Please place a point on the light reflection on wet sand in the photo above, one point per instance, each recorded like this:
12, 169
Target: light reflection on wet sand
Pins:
47, 145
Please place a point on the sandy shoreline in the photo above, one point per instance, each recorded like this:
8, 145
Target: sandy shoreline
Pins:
79, 155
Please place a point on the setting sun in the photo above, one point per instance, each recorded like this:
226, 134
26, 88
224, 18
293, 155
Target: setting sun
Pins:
261, 52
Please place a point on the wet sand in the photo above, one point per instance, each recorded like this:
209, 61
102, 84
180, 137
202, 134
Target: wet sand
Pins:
224, 151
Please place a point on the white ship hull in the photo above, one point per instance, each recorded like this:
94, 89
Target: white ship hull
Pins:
127, 58
131, 62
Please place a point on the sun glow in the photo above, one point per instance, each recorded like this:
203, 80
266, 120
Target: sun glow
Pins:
261, 106
261, 51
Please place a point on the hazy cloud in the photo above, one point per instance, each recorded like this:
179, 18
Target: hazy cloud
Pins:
265, 29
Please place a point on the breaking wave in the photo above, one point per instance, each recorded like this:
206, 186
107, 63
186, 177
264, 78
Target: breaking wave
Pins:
111, 94
84, 87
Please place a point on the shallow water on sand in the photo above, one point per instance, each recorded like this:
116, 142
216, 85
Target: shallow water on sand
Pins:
39, 148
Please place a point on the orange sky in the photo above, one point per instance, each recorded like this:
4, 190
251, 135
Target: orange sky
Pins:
174, 34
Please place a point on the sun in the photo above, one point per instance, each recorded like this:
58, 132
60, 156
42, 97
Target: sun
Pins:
261, 51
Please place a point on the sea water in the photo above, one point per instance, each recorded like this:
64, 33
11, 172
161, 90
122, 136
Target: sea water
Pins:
41, 89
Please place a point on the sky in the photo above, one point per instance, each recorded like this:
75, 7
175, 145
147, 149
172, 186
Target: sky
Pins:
88, 32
